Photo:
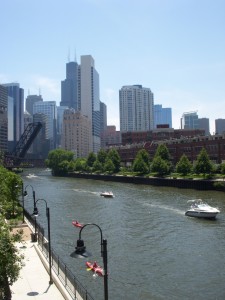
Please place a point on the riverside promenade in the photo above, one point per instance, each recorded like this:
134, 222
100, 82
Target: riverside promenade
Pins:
33, 281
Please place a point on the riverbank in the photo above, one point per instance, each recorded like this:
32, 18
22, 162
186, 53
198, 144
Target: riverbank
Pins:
199, 184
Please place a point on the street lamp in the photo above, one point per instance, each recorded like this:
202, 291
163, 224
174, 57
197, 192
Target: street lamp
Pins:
34, 236
80, 252
35, 213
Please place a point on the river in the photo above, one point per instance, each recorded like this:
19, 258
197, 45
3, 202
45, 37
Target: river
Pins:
155, 252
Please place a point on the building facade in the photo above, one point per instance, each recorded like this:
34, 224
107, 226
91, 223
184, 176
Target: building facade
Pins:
90, 98
3, 119
76, 135
30, 100
41, 144
162, 116
203, 123
48, 108
80, 91
59, 123
220, 126
136, 106
110, 137
189, 120
15, 113
190, 146
69, 87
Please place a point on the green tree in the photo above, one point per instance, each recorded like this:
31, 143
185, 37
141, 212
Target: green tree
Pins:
140, 165
203, 164
109, 166
184, 166
222, 168
97, 166
102, 156
80, 164
56, 161
114, 156
144, 155
10, 189
160, 166
163, 152
161, 162
10, 259
91, 159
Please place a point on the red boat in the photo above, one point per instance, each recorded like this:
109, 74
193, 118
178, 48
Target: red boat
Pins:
77, 224
95, 268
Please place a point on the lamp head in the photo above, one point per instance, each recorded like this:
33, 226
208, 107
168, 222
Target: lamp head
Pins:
80, 250
25, 193
35, 212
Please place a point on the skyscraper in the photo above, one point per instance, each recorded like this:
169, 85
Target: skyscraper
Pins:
203, 123
76, 135
136, 108
3, 119
48, 108
30, 100
69, 87
59, 123
162, 116
89, 97
189, 120
80, 91
15, 113
220, 126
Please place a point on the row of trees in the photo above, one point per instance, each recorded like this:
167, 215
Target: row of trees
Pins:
62, 162
10, 258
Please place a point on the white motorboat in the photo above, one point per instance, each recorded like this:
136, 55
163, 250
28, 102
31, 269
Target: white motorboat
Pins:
200, 209
107, 194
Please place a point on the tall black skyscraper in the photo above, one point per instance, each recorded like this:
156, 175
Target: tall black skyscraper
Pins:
3, 119
15, 113
69, 87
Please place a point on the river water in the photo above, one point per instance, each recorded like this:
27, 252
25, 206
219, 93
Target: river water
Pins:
154, 251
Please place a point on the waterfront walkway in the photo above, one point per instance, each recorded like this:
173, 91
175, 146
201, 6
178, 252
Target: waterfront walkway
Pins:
34, 278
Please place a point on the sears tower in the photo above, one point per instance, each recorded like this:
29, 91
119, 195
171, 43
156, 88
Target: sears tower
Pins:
69, 86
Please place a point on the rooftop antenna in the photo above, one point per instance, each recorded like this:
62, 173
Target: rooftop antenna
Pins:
69, 55
75, 55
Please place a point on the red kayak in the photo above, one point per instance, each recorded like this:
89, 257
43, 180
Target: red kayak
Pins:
95, 268
77, 224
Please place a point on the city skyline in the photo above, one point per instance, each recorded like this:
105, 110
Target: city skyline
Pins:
175, 48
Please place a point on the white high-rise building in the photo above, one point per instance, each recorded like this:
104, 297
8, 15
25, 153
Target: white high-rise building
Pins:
89, 97
136, 108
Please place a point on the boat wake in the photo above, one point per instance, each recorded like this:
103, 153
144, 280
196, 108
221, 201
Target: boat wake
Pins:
85, 191
31, 176
165, 207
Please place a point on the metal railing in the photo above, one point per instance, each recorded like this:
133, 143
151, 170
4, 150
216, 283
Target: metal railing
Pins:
70, 282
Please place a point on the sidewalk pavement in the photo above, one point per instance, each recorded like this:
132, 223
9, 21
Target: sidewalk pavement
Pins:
34, 279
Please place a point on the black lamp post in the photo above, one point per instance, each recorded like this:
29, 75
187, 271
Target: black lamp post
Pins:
35, 213
80, 252
34, 237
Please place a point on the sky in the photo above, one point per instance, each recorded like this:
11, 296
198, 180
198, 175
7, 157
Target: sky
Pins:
174, 47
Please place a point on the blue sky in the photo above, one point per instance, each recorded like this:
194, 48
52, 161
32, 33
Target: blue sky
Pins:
174, 47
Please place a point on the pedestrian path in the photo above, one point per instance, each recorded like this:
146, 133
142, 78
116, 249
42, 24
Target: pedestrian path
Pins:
34, 279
